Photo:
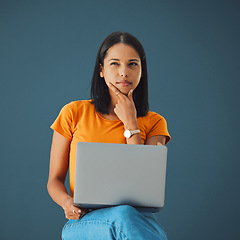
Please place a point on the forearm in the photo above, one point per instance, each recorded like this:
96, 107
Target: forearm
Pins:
136, 138
58, 192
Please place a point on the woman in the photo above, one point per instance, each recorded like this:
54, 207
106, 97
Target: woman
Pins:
117, 113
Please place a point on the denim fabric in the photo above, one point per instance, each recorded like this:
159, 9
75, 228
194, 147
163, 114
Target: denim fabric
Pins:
121, 222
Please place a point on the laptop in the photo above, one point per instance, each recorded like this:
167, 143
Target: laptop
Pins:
109, 174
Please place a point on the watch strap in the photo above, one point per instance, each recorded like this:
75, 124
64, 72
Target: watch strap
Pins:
135, 131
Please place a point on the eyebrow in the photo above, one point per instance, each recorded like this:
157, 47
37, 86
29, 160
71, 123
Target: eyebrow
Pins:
131, 60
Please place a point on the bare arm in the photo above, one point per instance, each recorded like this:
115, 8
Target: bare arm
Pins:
126, 112
156, 140
57, 174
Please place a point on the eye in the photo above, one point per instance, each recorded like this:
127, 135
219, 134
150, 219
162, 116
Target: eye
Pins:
114, 63
133, 64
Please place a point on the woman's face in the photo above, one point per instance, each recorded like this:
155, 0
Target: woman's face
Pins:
122, 67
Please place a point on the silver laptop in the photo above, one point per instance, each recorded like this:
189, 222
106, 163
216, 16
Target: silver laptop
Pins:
114, 174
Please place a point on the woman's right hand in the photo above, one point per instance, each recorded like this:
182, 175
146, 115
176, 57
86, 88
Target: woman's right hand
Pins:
72, 212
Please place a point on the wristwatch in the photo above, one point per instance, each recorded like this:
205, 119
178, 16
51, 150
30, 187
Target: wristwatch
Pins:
128, 133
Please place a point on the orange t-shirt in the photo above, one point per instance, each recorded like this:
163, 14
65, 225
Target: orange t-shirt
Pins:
79, 122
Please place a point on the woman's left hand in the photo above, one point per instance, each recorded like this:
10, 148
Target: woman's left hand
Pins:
125, 107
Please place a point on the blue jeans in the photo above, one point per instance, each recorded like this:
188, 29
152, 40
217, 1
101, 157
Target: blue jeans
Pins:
120, 222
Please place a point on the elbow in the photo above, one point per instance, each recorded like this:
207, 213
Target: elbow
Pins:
48, 185
53, 182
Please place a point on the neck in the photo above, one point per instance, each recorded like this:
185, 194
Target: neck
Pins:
112, 115
113, 103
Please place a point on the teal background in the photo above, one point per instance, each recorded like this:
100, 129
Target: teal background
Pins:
47, 57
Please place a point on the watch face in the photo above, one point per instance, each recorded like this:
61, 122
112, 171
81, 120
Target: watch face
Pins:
127, 134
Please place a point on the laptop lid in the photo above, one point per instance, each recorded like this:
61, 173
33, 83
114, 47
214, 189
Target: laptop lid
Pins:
109, 174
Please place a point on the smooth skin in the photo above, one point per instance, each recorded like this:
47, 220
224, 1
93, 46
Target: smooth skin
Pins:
122, 73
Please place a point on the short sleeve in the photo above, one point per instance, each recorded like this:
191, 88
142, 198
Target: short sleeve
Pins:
64, 121
158, 127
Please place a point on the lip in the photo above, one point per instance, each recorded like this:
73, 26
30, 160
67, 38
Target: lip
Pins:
124, 83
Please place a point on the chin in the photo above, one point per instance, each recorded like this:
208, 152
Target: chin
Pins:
124, 91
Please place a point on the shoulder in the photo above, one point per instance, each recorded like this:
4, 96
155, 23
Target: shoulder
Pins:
75, 108
77, 105
153, 117
152, 120
155, 124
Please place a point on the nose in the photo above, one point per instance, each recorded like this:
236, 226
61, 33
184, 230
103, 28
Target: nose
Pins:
123, 72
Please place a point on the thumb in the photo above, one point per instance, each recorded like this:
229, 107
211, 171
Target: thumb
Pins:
130, 95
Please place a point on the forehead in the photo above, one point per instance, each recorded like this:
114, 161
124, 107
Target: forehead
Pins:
122, 51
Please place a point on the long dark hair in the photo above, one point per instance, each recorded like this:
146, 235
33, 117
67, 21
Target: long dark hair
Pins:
99, 89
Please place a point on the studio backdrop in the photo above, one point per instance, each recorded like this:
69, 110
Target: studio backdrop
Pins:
47, 57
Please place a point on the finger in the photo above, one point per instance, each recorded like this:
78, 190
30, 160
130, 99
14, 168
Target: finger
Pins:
80, 211
72, 216
130, 95
76, 210
113, 88
118, 93
115, 110
159, 144
77, 215
74, 213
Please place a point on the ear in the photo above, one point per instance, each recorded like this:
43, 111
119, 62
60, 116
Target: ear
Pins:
101, 70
